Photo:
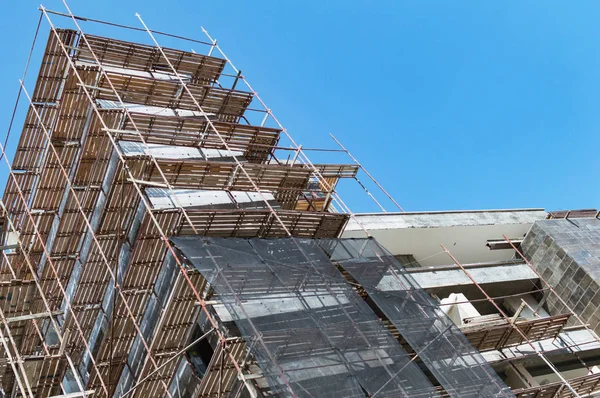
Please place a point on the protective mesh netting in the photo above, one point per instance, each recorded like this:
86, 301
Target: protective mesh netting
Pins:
443, 348
313, 335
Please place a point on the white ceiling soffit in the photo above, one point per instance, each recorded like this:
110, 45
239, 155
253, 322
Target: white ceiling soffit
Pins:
162, 151
140, 73
160, 198
463, 233
153, 110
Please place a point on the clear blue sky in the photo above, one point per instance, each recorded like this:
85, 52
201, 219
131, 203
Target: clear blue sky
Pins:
451, 105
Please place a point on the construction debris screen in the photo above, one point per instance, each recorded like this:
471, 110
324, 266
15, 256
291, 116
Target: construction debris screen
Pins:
313, 334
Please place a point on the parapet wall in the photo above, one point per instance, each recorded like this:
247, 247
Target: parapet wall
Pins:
567, 254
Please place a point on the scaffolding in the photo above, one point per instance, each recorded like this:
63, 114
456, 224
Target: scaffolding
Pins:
79, 207
134, 161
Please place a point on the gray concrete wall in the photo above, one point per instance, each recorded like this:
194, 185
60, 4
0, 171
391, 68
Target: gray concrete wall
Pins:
567, 254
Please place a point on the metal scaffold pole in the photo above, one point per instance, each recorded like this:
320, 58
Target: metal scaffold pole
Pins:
390, 197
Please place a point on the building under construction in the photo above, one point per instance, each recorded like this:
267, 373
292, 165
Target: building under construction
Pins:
164, 235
